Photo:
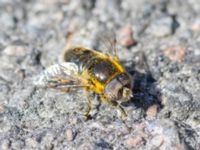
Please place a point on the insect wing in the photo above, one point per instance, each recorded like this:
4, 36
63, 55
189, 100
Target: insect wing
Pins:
108, 43
63, 74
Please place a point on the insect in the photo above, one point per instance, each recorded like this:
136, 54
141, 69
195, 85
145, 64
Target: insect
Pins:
98, 73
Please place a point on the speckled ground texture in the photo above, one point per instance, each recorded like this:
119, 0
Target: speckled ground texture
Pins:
164, 64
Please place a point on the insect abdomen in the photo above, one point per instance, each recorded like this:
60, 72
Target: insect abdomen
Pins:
100, 68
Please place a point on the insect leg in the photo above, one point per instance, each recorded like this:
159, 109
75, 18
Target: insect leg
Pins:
123, 114
89, 103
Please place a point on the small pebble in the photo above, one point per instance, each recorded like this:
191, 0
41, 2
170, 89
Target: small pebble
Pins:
15, 50
175, 53
69, 134
126, 36
157, 140
152, 111
133, 142
17, 144
179, 147
85, 146
161, 27
20, 73
141, 128
5, 144
59, 16
196, 26
7, 20
5, 126
2, 108
31, 142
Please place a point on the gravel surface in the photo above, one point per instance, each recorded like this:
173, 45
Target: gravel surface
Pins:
159, 44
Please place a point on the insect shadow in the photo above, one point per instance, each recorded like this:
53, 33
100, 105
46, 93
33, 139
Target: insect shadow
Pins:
145, 92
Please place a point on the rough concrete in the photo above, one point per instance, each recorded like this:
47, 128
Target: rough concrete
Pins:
163, 59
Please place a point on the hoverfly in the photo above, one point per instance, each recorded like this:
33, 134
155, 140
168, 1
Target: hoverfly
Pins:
98, 73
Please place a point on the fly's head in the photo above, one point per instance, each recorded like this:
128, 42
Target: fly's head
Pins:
119, 88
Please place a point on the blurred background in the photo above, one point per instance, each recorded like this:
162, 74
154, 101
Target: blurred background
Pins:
158, 43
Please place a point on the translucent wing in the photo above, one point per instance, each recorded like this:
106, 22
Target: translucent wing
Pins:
107, 42
63, 75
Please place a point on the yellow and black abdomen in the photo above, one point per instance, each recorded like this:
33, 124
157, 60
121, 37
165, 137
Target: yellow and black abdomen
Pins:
99, 67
